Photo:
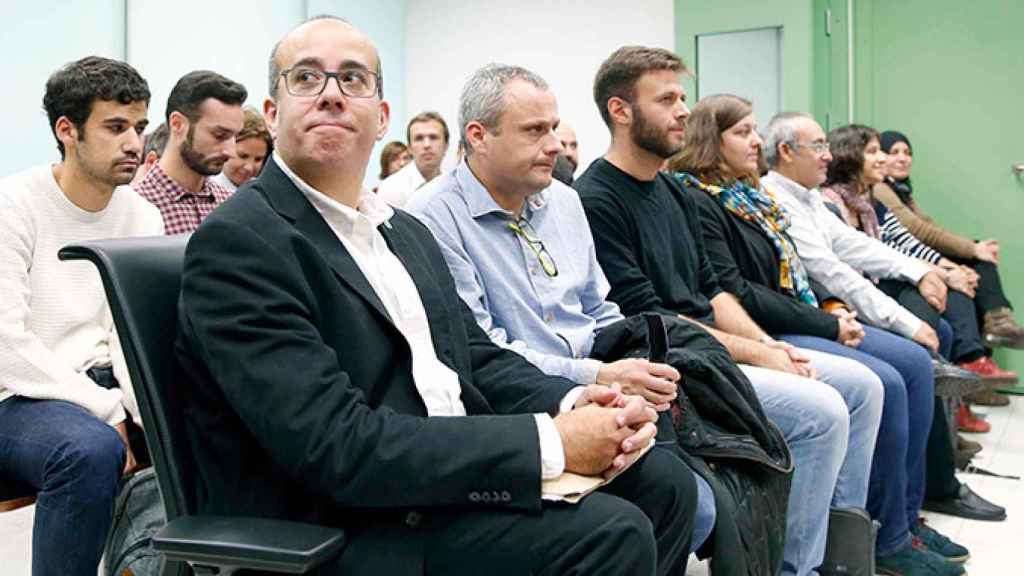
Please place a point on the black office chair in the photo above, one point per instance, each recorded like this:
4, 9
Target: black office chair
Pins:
142, 280
14, 495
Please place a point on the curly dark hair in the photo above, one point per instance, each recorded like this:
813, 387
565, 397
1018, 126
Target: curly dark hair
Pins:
192, 89
72, 90
847, 145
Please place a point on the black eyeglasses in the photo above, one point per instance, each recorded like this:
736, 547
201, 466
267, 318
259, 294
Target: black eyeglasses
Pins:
547, 263
353, 82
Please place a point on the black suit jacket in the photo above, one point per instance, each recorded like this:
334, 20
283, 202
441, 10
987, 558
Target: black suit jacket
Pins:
301, 402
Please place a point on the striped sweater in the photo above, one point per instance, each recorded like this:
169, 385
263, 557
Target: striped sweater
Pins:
896, 236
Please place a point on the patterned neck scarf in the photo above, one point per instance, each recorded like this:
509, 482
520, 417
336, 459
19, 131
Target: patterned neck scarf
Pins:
759, 207
857, 202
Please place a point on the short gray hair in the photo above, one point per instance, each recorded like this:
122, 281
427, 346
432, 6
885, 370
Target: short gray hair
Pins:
483, 96
781, 130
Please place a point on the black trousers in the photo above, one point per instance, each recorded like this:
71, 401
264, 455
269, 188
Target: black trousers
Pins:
639, 524
989, 295
940, 468
960, 313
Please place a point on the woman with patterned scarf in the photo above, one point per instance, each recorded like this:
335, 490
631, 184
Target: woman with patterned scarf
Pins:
755, 259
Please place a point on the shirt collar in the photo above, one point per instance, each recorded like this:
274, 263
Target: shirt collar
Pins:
370, 206
795, 188
413, 175
177, 190
479, 200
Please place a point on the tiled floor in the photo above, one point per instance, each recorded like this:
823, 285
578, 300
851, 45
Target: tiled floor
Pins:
993, 545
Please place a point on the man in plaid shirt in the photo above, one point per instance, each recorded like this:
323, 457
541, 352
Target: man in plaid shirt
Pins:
204, 113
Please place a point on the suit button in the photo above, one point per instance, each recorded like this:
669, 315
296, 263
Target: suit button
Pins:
474, 497
486, 497
413, 519
505, 496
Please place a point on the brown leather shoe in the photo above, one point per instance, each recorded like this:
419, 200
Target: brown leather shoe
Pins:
967, 446
1001, 329
988, 398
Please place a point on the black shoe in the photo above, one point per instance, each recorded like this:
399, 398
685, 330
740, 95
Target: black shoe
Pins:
967, 504
952, 380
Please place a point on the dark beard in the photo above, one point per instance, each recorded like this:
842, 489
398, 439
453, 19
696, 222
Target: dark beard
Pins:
650, 138
194, 160
105, 177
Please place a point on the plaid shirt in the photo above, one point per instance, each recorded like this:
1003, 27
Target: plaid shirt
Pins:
182, 210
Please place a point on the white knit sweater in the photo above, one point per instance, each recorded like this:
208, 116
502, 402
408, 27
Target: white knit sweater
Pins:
54, 320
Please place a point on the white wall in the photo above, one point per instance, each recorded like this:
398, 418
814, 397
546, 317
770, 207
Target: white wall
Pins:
166, 40
563, 41
39, 37
428, 48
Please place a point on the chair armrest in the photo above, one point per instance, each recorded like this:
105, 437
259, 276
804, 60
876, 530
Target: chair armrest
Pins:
232, 542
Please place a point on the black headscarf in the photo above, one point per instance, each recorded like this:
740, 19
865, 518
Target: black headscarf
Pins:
903, 188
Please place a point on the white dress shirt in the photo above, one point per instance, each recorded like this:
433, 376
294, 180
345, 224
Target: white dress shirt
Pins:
224, 181
437, 384
398, 188
830, 250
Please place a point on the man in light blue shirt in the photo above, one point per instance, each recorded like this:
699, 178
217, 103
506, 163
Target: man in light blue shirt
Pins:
505, 229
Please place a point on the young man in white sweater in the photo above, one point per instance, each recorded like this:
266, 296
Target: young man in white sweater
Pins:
63, 428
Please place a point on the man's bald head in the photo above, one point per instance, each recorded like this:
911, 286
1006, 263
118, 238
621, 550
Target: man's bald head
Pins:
281, 48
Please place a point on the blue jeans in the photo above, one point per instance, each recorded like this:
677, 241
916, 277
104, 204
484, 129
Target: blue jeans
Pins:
820, 428
75, 461
704, 519
896, 490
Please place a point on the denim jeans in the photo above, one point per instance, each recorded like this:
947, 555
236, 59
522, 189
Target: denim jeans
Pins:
75, 461
704, 519
831, 430
896, 490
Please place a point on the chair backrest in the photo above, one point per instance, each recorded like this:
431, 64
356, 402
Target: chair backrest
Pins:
142, 280
14, 494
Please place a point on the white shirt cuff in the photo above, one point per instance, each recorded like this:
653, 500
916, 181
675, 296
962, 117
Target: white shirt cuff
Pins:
569, 400
915, 270
587, 370
552, 454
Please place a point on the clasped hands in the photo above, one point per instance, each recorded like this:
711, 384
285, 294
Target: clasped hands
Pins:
606, 431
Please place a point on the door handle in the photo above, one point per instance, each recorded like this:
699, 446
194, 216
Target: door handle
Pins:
1018, 168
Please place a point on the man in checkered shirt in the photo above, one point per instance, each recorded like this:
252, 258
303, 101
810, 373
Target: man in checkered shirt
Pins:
204, 113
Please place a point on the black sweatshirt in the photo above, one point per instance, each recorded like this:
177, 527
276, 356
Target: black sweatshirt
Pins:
649, 243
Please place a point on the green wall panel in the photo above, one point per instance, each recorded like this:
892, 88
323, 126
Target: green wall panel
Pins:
950, 74
695, 17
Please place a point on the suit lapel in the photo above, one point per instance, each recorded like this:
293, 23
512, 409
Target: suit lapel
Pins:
433, 303
289, 201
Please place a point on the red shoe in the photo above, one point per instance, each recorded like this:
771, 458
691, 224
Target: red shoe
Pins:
966, 421
990, 372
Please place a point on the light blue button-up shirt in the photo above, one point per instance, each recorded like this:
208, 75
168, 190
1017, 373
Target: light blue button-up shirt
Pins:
551, 321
